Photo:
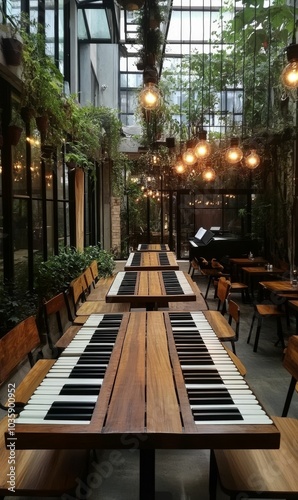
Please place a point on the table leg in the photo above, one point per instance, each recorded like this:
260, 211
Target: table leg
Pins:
147, 474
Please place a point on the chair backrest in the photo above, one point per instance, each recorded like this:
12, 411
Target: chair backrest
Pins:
222, 292
290, 363
77, 290
94, 270
223, 289
56, 308
234, 315
16, 345
88, 279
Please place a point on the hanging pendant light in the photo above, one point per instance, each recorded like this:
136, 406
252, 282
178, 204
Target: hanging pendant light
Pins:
188, 157
179, 165
131, 4
233, 154
252, 160
208, 174
289, 75
149, 97
202, 149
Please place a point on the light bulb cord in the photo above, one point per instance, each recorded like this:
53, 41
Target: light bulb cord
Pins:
294, 27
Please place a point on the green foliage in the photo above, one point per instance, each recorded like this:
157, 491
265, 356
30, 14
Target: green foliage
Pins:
55, 274
15, 305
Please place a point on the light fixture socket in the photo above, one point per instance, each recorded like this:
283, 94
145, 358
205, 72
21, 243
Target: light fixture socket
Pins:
292, 52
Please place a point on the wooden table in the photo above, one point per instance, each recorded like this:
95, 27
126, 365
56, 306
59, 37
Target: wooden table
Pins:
150, 261
238, 263
253, 274
153, 247
151, 289
143, 401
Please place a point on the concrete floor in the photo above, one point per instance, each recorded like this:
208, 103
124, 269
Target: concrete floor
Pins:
183, 475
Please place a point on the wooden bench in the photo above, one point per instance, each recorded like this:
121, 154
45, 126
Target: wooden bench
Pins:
31, 472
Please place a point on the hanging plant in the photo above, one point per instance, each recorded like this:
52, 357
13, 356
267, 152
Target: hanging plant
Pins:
12, 45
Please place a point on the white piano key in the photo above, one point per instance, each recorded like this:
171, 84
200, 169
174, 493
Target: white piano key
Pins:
39, 418
245, 409
43, 399
248, 419
65, 381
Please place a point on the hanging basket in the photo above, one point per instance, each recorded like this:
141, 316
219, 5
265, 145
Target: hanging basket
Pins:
14, 134
12, 50
42, 123
131, 4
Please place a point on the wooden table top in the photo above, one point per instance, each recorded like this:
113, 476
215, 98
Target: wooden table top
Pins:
245, 261
151, 287
153, 247
282, 286
261, 270
143, 399
150, 261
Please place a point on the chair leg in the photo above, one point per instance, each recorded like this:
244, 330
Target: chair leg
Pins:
289, 397
258, 333
251, 328
233, 347
212, 476
280, 334
208, 286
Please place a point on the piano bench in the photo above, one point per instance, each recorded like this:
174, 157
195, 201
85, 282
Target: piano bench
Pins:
38, 472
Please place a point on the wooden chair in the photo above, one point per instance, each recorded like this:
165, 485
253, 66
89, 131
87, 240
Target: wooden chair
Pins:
58, 321
39, 473
234, 320
262, 311
223, 290
262, 473
82, 308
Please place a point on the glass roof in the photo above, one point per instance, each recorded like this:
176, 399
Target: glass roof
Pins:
93, 24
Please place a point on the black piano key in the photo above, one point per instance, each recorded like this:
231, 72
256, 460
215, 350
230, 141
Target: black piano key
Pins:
87, 372
164, 259
80, 390
136, 260
70, 411
209, 396
217, 414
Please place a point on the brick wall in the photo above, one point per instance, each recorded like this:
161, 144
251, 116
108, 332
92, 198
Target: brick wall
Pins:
115, 225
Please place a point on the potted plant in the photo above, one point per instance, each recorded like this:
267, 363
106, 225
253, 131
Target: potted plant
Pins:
12, 45
42, 93
15, 128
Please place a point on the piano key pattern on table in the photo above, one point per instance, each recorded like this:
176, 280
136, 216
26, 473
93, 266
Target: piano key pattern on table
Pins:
138, 259
70, 390
155, 374
145, 247
126, 283
217, 392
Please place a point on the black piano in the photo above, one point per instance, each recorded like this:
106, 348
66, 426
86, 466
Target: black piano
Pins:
223, 247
